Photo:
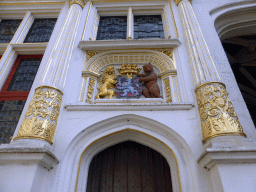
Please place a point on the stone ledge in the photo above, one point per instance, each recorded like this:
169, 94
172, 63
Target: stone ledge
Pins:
130, 107
128, 44
25, 153
227, 152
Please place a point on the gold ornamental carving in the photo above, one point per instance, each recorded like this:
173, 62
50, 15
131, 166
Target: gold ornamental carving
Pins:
167, 90
178, 1
218, 116
168, 53
41, 118
108, 82
90, 54
79, 2
129, 70
90, 91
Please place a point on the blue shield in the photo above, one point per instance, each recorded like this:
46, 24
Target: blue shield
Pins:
128, 88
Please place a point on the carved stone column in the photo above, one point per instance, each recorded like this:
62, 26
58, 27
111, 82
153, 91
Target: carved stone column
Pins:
216, 111
42, 116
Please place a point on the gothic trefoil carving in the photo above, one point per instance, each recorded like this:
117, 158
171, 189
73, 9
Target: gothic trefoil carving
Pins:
41, 118
79, 2
216, 111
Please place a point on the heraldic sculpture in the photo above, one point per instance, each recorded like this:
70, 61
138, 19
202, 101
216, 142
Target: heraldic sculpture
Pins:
150, 79
108, 82
129, 83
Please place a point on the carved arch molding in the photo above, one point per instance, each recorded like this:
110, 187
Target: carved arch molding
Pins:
163, 60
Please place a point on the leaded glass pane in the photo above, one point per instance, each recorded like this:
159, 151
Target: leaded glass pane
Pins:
24, 75
40, 30
8, 29
148, 26
112, 28
9, 116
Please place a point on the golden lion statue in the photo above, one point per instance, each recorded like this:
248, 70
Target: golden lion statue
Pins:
108, 81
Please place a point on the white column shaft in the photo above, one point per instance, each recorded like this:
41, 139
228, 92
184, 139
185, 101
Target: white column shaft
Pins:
203, 66
58, 63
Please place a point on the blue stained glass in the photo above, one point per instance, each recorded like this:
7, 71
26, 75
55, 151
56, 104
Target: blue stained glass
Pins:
9, 116
40, 31
148, 26
24, 75
8, 29
112, 28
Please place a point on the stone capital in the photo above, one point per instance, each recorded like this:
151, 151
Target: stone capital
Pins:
78, 2
178, 1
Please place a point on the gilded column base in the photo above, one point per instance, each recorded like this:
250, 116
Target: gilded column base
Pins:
41, 118
217, 114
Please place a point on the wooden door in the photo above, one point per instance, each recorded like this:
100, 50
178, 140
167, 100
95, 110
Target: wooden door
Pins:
129, 167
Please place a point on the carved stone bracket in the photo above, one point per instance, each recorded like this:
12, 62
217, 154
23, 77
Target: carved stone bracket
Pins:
218, 116
79, 2
41, 118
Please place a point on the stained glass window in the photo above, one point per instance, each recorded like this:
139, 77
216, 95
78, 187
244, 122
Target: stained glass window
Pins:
112, 28
9, 116
8, 29
148, 26
15, 92
40, 30
24, 75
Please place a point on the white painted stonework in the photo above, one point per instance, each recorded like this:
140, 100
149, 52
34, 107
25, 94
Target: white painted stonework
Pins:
222, 164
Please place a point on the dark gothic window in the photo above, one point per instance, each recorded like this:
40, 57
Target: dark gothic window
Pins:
15, 92
8, 29
112, 28
146, 27
40, 30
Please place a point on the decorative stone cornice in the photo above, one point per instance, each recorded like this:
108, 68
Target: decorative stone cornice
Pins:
178, 1
79, 2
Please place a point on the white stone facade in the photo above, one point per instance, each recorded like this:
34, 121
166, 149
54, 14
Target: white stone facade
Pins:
86, 125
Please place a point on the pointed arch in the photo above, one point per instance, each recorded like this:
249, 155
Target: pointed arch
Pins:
94, 139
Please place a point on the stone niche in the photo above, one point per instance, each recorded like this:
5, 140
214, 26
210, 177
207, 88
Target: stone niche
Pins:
123, 65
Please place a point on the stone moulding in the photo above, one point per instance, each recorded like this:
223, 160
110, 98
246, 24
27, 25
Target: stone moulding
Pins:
42, 115
217, 114
78, 2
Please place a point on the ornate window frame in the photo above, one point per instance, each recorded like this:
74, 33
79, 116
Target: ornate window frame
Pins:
97, 9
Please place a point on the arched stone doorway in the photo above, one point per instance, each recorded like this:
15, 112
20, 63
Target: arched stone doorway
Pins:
129, 167
241, 54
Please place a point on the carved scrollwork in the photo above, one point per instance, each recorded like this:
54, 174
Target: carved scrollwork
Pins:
217, 114
42, 115
167, 90
90, 91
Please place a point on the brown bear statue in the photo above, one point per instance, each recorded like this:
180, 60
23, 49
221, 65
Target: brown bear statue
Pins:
150, 79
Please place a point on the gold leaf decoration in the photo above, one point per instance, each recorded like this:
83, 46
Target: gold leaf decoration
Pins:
217, 114
167, 90
79, 2
90, 91
42, 115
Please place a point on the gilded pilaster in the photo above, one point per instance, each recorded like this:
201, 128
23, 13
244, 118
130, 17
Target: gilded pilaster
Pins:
216, 110
41, 118
78, 2
218, 116
42, 115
